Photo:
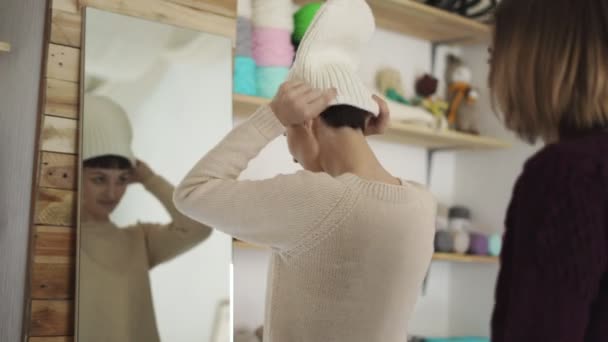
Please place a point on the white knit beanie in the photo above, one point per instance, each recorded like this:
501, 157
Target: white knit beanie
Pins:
107, 130
330, 51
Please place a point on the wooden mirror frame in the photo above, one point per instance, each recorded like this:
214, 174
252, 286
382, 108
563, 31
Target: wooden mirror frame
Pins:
49, 312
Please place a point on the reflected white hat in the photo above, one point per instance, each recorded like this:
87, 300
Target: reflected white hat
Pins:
330, 51
106, 129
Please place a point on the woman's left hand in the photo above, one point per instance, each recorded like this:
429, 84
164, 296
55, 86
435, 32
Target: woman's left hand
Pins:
141, 171
378, 124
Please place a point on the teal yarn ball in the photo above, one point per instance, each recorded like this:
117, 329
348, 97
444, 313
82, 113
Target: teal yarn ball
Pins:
269, 79
495, 244
244, 76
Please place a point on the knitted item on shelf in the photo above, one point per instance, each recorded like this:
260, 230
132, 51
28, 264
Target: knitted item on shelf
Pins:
269, 79
444, 242
272, 47
462, 241
244, 43
495, 244
244, 8
479, 244
244, 76
303, 18
273, 13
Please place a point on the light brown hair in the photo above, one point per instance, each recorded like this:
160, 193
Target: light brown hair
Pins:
549, 66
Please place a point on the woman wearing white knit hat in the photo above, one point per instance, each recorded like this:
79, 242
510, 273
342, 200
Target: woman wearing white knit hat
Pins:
115, 299
351, 243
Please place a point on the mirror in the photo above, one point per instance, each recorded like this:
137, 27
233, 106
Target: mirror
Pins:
156, 98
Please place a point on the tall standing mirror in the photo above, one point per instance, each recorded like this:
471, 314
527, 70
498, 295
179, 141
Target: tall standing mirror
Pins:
156, 98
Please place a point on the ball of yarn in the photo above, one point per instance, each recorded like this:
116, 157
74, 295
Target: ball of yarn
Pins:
462, 241
244, 8
459, 212
272, 47
272, 13
244, 44
479, 244
495, 244
269, 79
245, 76
302, 19
444, 242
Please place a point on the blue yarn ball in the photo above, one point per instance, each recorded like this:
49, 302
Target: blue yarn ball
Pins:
244, 76
269, 79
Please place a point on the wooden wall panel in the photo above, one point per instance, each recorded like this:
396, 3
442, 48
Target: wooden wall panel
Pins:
58, 171
57, 244
51, 339
55, 207
170, 13
63, 63
59, 135
52, 269
65, 28
61, 98
52, 318
71, 6
53, 280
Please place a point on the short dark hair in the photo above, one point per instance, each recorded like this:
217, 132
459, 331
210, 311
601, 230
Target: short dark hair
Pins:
108, 162
345, 116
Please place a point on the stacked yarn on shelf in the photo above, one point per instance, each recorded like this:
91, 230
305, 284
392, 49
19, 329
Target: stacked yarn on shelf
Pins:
244, 65
457, 236
271, 44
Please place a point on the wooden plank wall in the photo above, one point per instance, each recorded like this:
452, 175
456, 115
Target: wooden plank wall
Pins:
53, 259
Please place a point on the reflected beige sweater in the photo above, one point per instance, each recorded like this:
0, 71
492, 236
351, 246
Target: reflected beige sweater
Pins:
114, 296
349, 255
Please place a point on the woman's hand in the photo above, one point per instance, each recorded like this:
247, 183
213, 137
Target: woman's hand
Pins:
141, 172
296, 102
378, 124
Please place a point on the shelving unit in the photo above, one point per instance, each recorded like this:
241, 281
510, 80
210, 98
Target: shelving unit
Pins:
449, 257
425, 22
407, 133
5, 47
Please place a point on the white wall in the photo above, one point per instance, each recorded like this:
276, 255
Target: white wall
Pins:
412, 57
179, 107
22, 24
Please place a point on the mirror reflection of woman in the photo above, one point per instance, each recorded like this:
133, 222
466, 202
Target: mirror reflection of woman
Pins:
115, 300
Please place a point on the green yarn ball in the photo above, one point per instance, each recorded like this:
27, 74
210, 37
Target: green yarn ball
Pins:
302, 19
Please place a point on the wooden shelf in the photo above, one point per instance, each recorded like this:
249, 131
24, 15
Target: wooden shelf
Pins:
5, 47
451, 257
443, 139
425, 22
246, 105
406, 133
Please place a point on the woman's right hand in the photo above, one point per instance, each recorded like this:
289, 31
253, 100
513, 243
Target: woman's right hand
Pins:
297, 102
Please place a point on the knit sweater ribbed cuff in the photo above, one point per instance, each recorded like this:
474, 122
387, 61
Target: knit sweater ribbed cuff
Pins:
267, 123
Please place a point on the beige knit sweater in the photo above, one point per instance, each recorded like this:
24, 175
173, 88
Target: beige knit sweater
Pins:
349, 255
114, 300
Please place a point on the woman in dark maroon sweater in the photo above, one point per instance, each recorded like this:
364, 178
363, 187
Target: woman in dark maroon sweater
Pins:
549, 76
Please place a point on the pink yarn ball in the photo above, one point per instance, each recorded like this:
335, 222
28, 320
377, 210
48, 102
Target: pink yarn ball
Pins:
272, 47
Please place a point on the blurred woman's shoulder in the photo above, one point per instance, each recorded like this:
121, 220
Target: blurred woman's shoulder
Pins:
588, 151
